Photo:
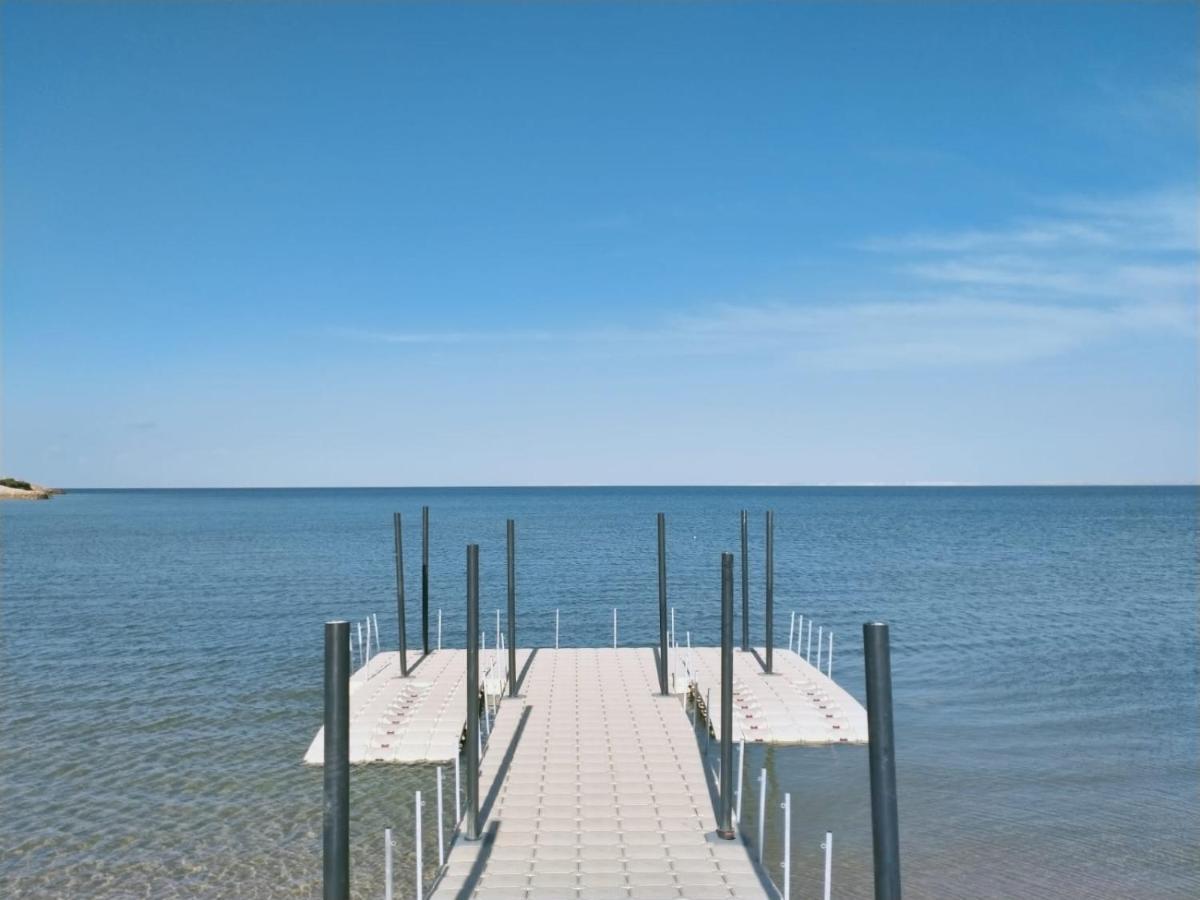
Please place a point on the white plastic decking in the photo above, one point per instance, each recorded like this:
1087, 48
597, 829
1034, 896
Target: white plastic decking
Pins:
592, 786
795, 705
415, 719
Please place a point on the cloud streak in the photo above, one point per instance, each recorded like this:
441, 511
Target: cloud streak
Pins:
1089, 271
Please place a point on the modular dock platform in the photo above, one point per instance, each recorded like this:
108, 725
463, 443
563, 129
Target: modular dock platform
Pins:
795, 704
593, 787
418, 718
592, 782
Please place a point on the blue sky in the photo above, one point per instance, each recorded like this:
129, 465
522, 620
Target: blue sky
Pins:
294, 244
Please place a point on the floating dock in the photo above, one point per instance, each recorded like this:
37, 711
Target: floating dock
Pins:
421, 718
795, 704
415, 719
593, 786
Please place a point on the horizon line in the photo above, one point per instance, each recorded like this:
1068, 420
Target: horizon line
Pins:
642, 486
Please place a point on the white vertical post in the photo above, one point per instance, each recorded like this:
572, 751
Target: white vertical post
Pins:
387, 864
819, 642
556, 629
828, 845
762, 809
420, 849
441, 827
787, 846
361, 658
741, 769
792, 630
497, 628
614, 628
457, 794
368, 638
799, 632
808, 649
829, 659
378, 646
439, 644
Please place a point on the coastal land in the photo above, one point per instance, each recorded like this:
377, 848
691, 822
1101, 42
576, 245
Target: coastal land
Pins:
15, 489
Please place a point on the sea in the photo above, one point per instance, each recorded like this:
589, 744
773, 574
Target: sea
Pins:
161, 673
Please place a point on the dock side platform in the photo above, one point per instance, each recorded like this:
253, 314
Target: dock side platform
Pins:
415, 719
796, 704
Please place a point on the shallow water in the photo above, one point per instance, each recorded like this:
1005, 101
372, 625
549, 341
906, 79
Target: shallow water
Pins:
161, 677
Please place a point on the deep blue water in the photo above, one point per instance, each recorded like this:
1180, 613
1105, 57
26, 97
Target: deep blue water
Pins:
160, 671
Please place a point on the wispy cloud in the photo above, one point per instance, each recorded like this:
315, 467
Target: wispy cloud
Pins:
1087, 270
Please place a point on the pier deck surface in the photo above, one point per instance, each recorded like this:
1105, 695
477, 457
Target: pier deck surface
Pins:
795, 705
592, 786
414, 719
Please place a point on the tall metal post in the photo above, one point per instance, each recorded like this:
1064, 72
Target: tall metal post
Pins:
472, 692
512, 608
335, 824
885, 827
662, 605
400, 623
425, 579
770, 660
725, 819
745, 582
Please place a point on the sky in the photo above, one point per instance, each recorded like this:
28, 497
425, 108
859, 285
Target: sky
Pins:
398, 244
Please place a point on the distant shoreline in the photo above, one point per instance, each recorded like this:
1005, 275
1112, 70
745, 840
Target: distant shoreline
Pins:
33, 492
645, 487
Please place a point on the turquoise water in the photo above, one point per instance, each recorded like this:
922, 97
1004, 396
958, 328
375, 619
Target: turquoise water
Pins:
161, 672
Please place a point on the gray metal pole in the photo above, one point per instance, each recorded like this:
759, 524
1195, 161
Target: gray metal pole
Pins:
425, 579
472, 692
401, 625
662, 605
725, 819
885, 827
770, 661
745, 582
335, 826
512, 608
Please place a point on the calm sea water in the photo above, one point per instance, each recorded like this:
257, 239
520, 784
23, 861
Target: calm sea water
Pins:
160, 666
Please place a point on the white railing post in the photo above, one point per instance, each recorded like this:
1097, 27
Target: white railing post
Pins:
762, 809
819, 643
419, 848
808, 649
828, 845
387, 863
787, 846
361, 658
441, 827
741, 768
792, 630
378, 646
457, 794
799, 632
829, 659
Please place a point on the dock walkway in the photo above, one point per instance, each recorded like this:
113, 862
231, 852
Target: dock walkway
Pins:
592, 786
